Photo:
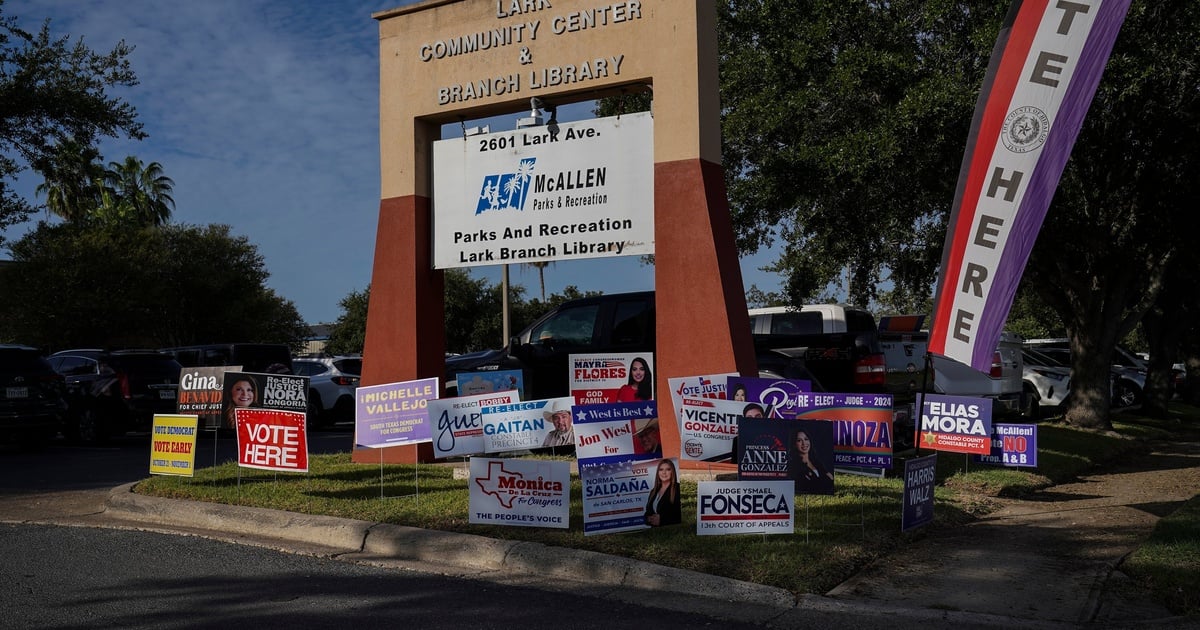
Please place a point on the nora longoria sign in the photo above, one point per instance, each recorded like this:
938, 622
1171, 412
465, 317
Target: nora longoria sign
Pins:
558, 192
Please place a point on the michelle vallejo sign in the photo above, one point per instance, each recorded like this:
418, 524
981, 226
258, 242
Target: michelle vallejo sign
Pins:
577, 190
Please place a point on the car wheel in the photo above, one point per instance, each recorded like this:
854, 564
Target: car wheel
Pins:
89, 426
343, 410
1126, 394
315, 420
1032, 403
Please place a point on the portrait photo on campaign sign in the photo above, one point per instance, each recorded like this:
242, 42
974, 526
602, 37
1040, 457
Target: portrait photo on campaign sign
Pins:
248, 390
800, 450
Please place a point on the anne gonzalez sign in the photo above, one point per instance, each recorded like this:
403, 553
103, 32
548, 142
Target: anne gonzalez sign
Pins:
576, 190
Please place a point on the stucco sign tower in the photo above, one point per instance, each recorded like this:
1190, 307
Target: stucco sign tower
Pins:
444, 61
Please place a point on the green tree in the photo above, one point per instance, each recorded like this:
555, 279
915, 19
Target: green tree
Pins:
136, 192
1121, 213
54, 91
844, 125
73, 181
349, 332
112, 286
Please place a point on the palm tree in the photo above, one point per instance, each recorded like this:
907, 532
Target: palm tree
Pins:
72, 183
137, 192
541, 267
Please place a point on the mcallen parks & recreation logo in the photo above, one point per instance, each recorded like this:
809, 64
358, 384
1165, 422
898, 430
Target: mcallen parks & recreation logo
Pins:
506, 191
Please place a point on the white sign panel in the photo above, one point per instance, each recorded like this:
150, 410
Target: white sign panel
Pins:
745, 507
557, 192
527, 493
458, 422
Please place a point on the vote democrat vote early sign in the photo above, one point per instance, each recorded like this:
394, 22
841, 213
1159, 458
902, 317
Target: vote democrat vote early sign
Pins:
557, 192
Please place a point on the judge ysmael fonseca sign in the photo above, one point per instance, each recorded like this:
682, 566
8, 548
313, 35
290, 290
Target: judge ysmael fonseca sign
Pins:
576, 190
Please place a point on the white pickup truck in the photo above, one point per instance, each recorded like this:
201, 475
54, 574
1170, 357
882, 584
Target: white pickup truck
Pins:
904, 341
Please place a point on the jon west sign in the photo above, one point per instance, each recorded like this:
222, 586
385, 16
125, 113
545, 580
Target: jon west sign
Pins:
556, 192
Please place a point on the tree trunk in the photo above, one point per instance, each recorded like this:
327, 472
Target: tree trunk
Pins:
1091, 383
1164, 328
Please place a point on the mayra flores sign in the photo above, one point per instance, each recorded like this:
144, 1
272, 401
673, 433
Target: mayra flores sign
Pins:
577, 190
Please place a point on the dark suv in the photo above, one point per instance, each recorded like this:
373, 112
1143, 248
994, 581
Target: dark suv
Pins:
32, 396
114, 392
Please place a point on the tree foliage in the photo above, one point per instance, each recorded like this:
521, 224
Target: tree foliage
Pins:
844, 127
111, 286
349, 333
54, 91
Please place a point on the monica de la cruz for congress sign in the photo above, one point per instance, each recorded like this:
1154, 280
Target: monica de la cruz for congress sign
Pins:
576, 190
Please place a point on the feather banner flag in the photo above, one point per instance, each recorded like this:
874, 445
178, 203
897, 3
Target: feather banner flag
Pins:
1040, 81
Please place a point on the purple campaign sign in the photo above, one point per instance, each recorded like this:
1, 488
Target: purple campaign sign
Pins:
776, 396
1012, 445
919, 477
394, 414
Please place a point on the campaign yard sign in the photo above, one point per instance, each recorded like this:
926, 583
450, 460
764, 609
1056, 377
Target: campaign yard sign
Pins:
520, 425
473, 383
610, 378
957, 424
777, 397
862, 426
800, 450
394, 414
520, 492
1012, 445
458, 422
745, 507
919, 477
615, 495
616, 431
268, 439
702, 386
173, 444
200, 393
251, 390
708, 428
565, 191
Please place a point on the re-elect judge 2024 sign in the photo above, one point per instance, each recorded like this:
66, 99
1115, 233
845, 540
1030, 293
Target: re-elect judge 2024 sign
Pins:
576, 190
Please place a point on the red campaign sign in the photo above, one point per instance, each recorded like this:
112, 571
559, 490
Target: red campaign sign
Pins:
272, 439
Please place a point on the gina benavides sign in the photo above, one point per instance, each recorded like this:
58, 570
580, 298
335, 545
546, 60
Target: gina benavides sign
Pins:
558, 192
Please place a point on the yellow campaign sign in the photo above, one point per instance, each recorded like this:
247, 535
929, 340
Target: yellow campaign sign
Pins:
173, 445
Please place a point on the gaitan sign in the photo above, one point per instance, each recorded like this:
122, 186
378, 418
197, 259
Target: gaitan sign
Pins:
579, 190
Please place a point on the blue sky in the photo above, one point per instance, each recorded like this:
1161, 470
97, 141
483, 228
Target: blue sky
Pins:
265, 113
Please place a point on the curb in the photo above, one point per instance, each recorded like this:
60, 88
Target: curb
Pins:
463, 551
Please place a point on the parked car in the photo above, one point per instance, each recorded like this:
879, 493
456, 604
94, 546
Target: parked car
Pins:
113, 392
1047, 381
331, 385
32, 396
1128, 371
840, 343
904, 344
260, 358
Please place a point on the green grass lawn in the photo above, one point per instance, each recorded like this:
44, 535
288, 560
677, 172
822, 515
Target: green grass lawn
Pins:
835, 535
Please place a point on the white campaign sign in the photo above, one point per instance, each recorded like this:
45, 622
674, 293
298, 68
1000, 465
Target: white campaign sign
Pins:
576, 190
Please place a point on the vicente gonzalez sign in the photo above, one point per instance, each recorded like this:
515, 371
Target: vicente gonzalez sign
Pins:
558, 192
